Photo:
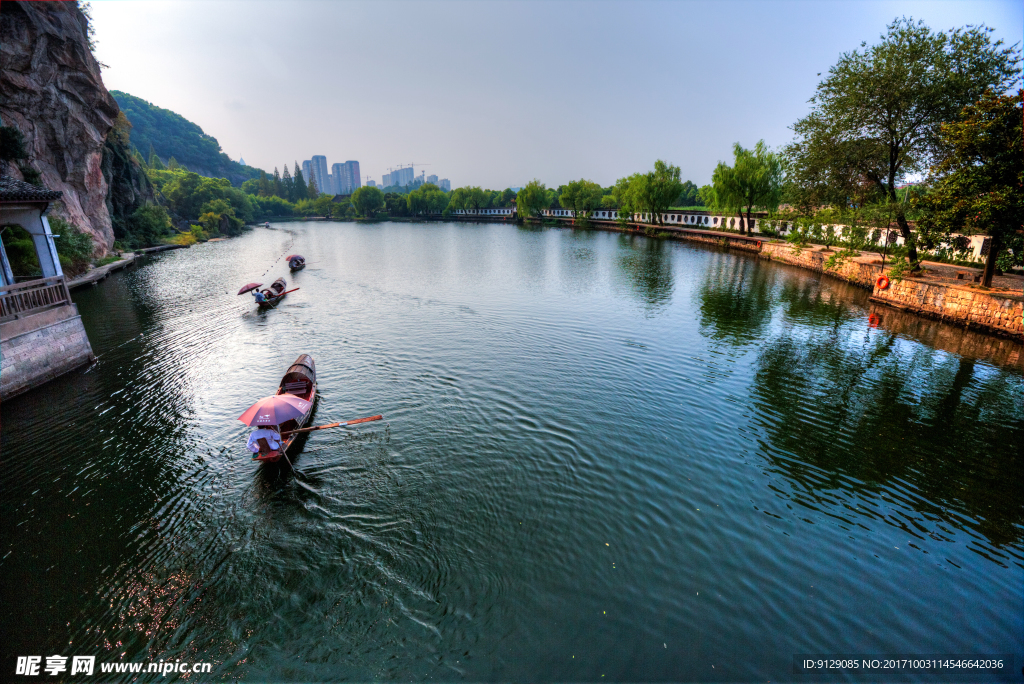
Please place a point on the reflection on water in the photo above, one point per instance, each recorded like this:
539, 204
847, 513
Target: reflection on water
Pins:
735, 299
647, 267
603, 455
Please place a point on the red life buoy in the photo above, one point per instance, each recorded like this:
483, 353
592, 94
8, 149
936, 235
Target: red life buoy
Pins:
882, 283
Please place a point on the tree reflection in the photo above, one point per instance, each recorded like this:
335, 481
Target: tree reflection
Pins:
865, 411
735, 300
647, 266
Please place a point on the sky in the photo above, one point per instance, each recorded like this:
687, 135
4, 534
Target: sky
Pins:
492, 93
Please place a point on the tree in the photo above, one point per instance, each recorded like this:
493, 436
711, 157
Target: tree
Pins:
531, 200
581, 197
311, 190
299, 186
878, 114
427, 199
395, 204
475, 198
754, 179
978, 178
652, 192
286, 184
264, 185
367, 200
278, 187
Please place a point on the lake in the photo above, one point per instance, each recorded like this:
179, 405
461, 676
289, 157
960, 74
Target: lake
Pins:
604, 457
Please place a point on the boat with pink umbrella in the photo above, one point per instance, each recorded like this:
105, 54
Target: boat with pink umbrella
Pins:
287, 411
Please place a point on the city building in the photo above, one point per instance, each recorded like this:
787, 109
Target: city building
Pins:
432, 179
445, 185
370, 183
355, 179
307, 171
319, 164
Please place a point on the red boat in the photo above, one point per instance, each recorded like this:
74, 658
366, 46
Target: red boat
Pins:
300, 381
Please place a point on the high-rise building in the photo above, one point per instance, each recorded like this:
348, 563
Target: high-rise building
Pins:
340, 181
307, 171
385, 182
370, 183
432, 179
355, 180
401, 176
445, 185
319, 163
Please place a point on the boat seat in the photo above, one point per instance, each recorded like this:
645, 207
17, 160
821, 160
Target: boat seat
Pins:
299, 387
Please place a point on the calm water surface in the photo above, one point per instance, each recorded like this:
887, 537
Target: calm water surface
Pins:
604, 457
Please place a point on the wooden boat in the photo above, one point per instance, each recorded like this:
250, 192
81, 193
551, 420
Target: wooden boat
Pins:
273, 294
296, 262
299, 380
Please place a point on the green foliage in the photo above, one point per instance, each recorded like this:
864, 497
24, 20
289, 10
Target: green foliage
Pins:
147, 226
188, 192
978, 180
12, 144
427, 199
755, 179
581, 197
74, 247
367, 201
531, 200
171, 135
268, 207
689, 196
877, 116
652, 192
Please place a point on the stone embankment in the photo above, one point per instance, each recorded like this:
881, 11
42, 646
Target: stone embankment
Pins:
41, 347
962, 304
967, 305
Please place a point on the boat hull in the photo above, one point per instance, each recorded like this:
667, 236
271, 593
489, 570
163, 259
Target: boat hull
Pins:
303, 370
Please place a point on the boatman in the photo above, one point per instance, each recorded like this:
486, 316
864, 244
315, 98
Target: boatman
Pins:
270, 434
260, 297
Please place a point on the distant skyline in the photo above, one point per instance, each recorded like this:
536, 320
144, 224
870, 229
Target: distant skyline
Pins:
497, 93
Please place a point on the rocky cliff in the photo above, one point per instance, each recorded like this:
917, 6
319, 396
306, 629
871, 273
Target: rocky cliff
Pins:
52, 90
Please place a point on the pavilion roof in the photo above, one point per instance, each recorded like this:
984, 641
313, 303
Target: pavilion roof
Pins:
14, 190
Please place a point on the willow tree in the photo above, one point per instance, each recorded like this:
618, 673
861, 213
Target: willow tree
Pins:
648, 193
754, 180
531, 200
580, 197
877, 115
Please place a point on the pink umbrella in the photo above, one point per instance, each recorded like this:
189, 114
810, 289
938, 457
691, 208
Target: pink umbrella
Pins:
294, 256
250, 286
275, 410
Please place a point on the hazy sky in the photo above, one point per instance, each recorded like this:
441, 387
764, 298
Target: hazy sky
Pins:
495, 93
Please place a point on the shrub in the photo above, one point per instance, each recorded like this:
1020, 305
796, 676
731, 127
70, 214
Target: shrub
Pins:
74, 247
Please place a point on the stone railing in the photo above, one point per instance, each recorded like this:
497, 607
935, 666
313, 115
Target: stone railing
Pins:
23, 299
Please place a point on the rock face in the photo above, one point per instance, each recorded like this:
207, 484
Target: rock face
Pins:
128, 188
51, 89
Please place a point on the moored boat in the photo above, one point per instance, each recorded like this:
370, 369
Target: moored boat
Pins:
299, 381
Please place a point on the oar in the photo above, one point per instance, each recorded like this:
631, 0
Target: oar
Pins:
333, 425
284, 452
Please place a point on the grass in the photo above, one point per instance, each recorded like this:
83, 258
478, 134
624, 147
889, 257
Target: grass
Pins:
109, 259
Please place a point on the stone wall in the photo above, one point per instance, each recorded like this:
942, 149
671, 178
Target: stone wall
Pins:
961, 304
855, 272
41, 347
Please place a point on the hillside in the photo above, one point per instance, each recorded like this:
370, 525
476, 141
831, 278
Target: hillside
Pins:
172, 135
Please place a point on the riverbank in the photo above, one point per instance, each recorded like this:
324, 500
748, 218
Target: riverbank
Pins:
95, 275
941, 291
